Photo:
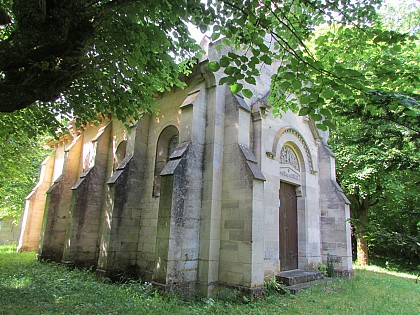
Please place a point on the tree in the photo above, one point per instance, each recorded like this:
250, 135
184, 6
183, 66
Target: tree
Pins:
393, 231
20, 157
378, 168
315, 77
80, 58
402, 16
377, 139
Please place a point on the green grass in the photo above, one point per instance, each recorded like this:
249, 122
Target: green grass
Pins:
30, 287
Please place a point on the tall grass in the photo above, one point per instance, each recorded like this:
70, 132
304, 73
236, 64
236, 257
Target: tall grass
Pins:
30, 287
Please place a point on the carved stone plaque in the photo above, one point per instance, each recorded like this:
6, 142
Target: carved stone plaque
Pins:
287, 156
289, 164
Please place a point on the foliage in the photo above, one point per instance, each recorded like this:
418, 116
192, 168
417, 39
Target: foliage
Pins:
80, 58
394, 223
377, 140
389, 62
273, 287
330, 266
402, 16
90, 57
20, 157
378, 167
355, 61
28, 286
371, 154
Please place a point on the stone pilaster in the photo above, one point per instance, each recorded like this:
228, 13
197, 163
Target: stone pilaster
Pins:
58, 205
82, 244
114, 255
34, 208
180, 201
335, 213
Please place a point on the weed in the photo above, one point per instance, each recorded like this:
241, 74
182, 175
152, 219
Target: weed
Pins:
330, 266
323, 268
228, 295
274, 287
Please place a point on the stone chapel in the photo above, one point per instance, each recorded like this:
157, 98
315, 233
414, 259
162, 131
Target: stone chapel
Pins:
214, 191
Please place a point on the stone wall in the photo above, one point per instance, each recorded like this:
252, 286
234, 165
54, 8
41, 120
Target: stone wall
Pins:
82, 240
335, 214
34, 208
58, 202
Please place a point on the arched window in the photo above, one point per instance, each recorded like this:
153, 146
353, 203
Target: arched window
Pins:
86, 162
120, 153
167, 142
173, 142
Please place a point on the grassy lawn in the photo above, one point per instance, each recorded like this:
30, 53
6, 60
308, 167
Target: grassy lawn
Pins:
30, 287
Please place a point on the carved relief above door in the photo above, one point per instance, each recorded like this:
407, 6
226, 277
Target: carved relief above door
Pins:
289, 164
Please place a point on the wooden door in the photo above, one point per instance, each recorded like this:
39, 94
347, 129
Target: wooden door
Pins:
288, 227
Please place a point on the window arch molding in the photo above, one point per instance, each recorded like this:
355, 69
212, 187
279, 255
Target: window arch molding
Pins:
166, 143
120, 153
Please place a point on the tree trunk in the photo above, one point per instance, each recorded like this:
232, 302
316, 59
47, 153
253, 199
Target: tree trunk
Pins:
360, 231
362, 249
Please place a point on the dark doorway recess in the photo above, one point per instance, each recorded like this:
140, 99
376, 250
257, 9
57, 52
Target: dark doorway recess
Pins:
288, 232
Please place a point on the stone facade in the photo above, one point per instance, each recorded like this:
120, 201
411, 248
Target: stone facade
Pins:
189, 198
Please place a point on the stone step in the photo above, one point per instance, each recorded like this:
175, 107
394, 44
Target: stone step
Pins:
293, 277
305, 285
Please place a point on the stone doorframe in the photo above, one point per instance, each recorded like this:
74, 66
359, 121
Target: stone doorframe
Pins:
292, 171
295, 167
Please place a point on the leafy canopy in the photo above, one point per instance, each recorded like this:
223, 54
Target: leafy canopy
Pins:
377, 141
20, 157
80, 58
321, 76
66, 59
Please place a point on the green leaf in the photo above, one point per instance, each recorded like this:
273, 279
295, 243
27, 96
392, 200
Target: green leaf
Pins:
235, 88
247, 93
224, 61
284, 85
288, 75
296, 84
263, 48
255, 52
305, 99
327, 93
224, 80
229, 70
325, 112
304, 111
322, 127
266, 59
316, 117
251, 80
215, 36
329, 124
214, 66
